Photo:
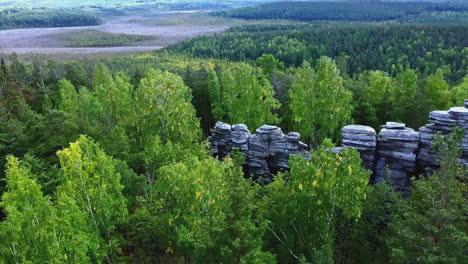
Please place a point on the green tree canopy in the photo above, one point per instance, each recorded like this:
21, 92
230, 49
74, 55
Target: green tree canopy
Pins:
163, 108
205, 211
302, 205
92, 180
431, 226
319, 104
247, 96
36, 231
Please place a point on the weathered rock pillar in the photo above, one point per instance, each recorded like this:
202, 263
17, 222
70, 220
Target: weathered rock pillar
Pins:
443, 123
267, 151
397, 146
363, 139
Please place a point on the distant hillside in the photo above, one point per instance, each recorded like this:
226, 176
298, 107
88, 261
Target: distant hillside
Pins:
46, 17
341, 10
126, 3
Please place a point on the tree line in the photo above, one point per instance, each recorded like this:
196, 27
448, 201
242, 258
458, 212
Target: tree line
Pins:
46, 17
356, 49
366, 10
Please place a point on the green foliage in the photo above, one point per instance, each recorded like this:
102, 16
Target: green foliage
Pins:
36, 231
318, 103
68, 97
158, 154
269, 63
93, 38
17, 120
115, 96
431, 226
302, 205
408, 98
389, 48
163, 108
438, 90
376, 95
460, 92
203, 210
214, 92
340, 10
46, 17
363, 240
242, 85
91, 182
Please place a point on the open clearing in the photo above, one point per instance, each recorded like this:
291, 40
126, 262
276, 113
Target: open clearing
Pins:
164, 28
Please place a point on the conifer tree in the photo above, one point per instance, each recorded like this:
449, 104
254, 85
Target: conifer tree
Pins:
431, 226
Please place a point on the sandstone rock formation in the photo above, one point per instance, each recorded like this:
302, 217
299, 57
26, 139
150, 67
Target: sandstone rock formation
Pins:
221, 140
361, 138
400, 150
442, 122
267, 151
396, 155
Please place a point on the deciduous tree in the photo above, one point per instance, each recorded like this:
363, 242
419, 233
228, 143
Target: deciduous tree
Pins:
319, 104
302, 205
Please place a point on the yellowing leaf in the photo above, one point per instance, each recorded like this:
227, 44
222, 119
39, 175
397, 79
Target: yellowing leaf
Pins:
301, 187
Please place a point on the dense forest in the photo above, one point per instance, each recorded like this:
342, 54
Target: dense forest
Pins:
146, 176
106, 160
94, 38
364, 10
387, 48
46, 17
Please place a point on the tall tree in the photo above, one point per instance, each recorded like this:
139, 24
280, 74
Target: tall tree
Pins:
302, 205
406, 84
247, 96
163, 108
269, 63
460, 92
319, 104
437, 90
363, 240
431, 226
114, 96
34, 230
92, 180
203, 210
214, 92
69, 101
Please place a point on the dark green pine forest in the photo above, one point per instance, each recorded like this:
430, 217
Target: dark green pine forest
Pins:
106, 160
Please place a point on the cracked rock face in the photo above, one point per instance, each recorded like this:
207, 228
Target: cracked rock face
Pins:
267, 151
361, 138
400, 151
442, 122
221, 140
397, 146
394, 155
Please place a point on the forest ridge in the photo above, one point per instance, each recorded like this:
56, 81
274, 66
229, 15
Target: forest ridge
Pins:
106, 159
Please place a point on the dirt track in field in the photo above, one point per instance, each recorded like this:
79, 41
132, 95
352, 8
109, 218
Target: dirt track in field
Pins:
45, 41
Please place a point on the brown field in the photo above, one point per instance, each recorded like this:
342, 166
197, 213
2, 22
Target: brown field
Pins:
165, 28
